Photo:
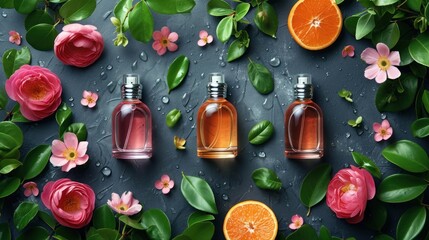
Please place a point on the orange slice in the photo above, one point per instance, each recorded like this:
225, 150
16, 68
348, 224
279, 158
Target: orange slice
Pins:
315, 24
250, 220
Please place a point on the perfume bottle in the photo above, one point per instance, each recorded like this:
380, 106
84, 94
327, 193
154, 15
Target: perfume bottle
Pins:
303, 123
217, 122
131, 123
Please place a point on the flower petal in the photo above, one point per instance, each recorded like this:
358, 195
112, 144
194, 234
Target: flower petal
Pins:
172, 37
165, 31
82, 148
172, 47
394, 58
381, 77
371, 71
201, 43
165, 190
209, 39
58, 147
165, 178
385, 124
369, 55
376, 127
70, 140
378, 137
58, 161
393, 72
203, 34
383, 49
159, 185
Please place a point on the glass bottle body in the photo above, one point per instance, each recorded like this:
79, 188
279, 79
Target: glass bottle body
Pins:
304, 130
217, 129
131, 130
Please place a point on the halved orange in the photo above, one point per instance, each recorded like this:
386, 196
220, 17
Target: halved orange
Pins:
315, 24
250, 220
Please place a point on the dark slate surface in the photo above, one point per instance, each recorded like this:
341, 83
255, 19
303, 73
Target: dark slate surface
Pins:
231, 183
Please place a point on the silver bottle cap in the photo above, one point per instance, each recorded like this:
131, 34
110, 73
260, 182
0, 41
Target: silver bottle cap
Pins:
302, 86
217, 86
131, 87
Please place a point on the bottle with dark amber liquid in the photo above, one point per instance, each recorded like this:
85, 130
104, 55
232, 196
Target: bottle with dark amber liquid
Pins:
217, 122
303, 123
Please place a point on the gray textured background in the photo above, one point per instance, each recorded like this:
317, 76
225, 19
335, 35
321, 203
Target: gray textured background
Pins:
233, 183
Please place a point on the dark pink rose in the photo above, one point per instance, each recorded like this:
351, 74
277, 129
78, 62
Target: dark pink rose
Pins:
71, 203
36, 89
78, 45
348, 192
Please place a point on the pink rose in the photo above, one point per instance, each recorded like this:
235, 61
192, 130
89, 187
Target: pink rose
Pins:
78, 45
71, 203
348, 192
36, 89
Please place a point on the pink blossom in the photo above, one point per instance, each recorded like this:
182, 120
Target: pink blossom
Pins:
165, 184
70, 153
205, 38
382, 62
348, 50
164, 40
70, 202
297, 222
382, 131
14, 37
125, 204
30, 189
348, 192
89, 99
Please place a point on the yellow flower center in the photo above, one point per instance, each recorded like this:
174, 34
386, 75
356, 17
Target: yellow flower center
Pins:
166, 184
70, 154
90, 100
35, 90
348, 187
123, 207
383, 63
70, 203
164, 42
383, 132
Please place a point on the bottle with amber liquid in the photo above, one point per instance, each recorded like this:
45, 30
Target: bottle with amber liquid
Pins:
217, 122
303, 123
131, 123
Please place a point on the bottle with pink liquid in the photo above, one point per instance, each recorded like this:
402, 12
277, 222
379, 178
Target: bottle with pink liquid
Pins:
131, 123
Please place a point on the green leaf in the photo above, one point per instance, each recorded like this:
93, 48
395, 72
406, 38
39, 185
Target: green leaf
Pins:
384, 2
63, 116
3, 98
173, 117
198, 231
37, 17
418, 70
365, 25
197, 217
38, 233
315, 184
241, 11
265, 178
25, 6
35, 161
219, 8
414, 5
419, 49
304, 232
103, 234
65, 233
420, 127
411, 223
121, 10
177, 72
103, 217
42, 36
398, 188
407, 155
366, 163
383, 237
224, 28
260, 77
425, 100
239, 46
48, 219
156, 218
5, 231
8, 165
261, 132
8, 186
12, 130
6, 4
198, 194
77, 10
324, 233
79, 129
17, 115
131, 222
350, 23
13, 59
355, 123
171, 6
24, 213
388, 99
375, 215
266, 19
389, 36
346, 94
141, 22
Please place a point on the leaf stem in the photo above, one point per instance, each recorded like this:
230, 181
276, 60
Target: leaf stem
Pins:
308, 212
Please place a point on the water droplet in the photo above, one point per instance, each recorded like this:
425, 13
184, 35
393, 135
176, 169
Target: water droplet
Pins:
383, 116
225, 197
71, 99
173, 211
118, 59
201, 54
106, 15
143, 56
106, 171
354, 111
346, 165
158, 108
267, 50
267, 104
195, 62
327, 99
351, 149
185, 99
177, 166
134, 65
109, 67
359, 131
348, 135
317, 65
3, 14
191, 118
103, 75
97, 164
327, 74
103, 132
165, 99
324, 58
71, 104
262, 154
202, 75
222, 64
217, 49
41, 63
201, 173
111, 86
275, 62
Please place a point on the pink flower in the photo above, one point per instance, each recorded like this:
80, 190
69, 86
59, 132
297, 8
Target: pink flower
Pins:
297, 222
382, 62
165, 184
205, 38
14, 37
30, 189
164, 40
125, 204
348, 192
36, 89
71, 203
382, 131
348, 50
89, 99
70, 153
78, 45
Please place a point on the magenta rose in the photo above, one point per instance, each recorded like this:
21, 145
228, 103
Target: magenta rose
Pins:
348, 192
36, 89
70, 202
78, 45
